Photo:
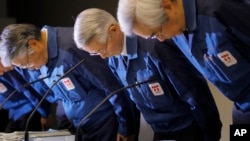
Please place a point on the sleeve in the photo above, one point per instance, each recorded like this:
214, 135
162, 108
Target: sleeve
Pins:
17, 103
18, 83
7, 101
39, 86
135, 115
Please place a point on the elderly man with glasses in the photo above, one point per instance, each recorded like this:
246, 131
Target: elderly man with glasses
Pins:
52, 51
213, 35
178, 107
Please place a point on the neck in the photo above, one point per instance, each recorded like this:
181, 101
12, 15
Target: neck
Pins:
44, 36
182, 15
44, 41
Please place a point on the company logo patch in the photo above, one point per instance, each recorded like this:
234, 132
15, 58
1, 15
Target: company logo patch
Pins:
68, 83
227, 58
156, 89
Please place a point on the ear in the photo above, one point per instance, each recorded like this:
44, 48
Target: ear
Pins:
166, 4
113, 29
32, 42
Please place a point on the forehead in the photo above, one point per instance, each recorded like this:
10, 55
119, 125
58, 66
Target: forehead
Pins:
143, 30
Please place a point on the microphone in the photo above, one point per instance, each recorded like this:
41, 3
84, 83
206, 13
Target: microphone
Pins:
23, 86
104, 100
26, 132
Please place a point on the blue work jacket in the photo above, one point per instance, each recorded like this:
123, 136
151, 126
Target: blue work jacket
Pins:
85, 86
35, 77
214, 52
177, 96
23, 101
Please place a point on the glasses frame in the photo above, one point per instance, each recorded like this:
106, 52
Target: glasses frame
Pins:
157, 34
102, 51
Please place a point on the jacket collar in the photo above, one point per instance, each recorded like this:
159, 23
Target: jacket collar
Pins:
131, 46
190, 14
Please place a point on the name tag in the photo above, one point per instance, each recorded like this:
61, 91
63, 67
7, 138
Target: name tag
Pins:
68, 83
3, 88
227, 58
156, 88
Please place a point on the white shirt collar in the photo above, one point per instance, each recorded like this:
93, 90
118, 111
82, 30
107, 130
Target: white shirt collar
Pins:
124, 49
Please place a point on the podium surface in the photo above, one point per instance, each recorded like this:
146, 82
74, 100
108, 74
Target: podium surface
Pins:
54, 138
50, 135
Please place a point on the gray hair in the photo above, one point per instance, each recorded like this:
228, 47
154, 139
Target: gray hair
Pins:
91, 24
148, 12
14, 41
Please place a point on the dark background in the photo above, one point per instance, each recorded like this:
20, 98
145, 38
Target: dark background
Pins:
54, 12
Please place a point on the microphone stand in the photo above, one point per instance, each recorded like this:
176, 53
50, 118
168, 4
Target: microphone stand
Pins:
104, 100
26, 132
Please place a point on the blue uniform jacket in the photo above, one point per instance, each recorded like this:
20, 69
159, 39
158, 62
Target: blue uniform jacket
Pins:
23, 101
39, 86
178, 95
86, 86
215, 52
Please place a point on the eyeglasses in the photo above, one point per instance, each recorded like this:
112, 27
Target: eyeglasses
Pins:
101, 51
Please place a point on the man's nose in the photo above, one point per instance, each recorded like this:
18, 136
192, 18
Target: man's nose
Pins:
103, 56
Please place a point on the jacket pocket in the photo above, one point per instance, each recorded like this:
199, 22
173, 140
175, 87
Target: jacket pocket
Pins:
226, 62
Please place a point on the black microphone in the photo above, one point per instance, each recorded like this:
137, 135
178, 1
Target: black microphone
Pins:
23, 86
26, 132
104, 100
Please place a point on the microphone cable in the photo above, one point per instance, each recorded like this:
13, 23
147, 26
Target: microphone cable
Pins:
26, 132
104, 100
23, 86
